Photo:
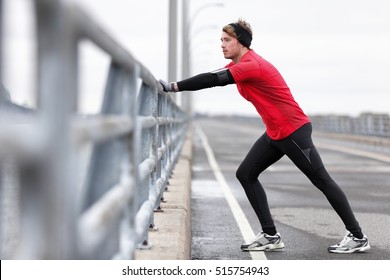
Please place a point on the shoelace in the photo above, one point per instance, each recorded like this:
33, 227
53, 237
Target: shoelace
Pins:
345, 240
258, 236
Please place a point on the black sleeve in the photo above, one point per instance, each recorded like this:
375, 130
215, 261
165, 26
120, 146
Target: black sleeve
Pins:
205, 80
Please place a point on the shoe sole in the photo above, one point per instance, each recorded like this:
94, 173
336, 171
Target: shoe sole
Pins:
268, 247
357, 250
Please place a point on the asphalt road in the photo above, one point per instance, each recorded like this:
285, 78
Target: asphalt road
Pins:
222, 217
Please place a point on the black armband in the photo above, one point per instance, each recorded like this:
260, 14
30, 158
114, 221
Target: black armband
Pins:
220, 77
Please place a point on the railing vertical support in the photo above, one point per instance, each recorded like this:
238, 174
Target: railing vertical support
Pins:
105, 167
57, 101
129, 176
147, 101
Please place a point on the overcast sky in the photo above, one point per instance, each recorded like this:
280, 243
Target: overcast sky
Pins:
334, 55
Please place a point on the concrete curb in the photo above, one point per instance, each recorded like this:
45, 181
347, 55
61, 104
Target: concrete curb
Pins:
172, 240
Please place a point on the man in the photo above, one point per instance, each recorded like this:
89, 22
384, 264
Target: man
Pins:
288, 132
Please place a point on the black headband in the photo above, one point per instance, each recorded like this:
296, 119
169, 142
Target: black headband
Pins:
243, 36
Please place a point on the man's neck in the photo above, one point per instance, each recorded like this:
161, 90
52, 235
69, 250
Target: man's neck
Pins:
240, 55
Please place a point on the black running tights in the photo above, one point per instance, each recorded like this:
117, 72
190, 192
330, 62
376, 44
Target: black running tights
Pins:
300, 149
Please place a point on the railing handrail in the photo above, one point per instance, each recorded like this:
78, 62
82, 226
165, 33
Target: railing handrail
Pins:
370, 124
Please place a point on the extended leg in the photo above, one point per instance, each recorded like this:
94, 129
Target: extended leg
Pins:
301, 150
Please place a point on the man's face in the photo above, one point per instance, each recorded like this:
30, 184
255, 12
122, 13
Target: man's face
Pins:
230, 46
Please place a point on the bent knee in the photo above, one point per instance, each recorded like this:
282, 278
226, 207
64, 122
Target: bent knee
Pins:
240, 174
244, 176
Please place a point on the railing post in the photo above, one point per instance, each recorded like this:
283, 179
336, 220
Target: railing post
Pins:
57, 101
128, 239
169, 139
162, 115
105, 161
147, 101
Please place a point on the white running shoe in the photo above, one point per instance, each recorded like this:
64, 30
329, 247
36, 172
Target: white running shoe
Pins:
350, 244
264, 242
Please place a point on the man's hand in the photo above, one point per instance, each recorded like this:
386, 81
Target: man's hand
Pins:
167, 87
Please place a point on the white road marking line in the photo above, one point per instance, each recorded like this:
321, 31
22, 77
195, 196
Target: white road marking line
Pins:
366, 154
239, 216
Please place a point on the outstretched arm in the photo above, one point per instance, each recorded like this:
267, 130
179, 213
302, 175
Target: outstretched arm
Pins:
221, 77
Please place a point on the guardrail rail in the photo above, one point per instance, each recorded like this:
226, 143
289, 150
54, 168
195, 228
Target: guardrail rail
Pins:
370, 124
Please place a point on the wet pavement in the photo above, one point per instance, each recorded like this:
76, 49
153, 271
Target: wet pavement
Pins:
302, 214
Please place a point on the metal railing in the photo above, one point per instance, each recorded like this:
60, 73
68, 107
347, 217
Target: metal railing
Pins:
366, 124
85, 187
369, 124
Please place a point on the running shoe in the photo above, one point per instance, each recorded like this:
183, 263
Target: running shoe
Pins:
264, 242
350, 244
